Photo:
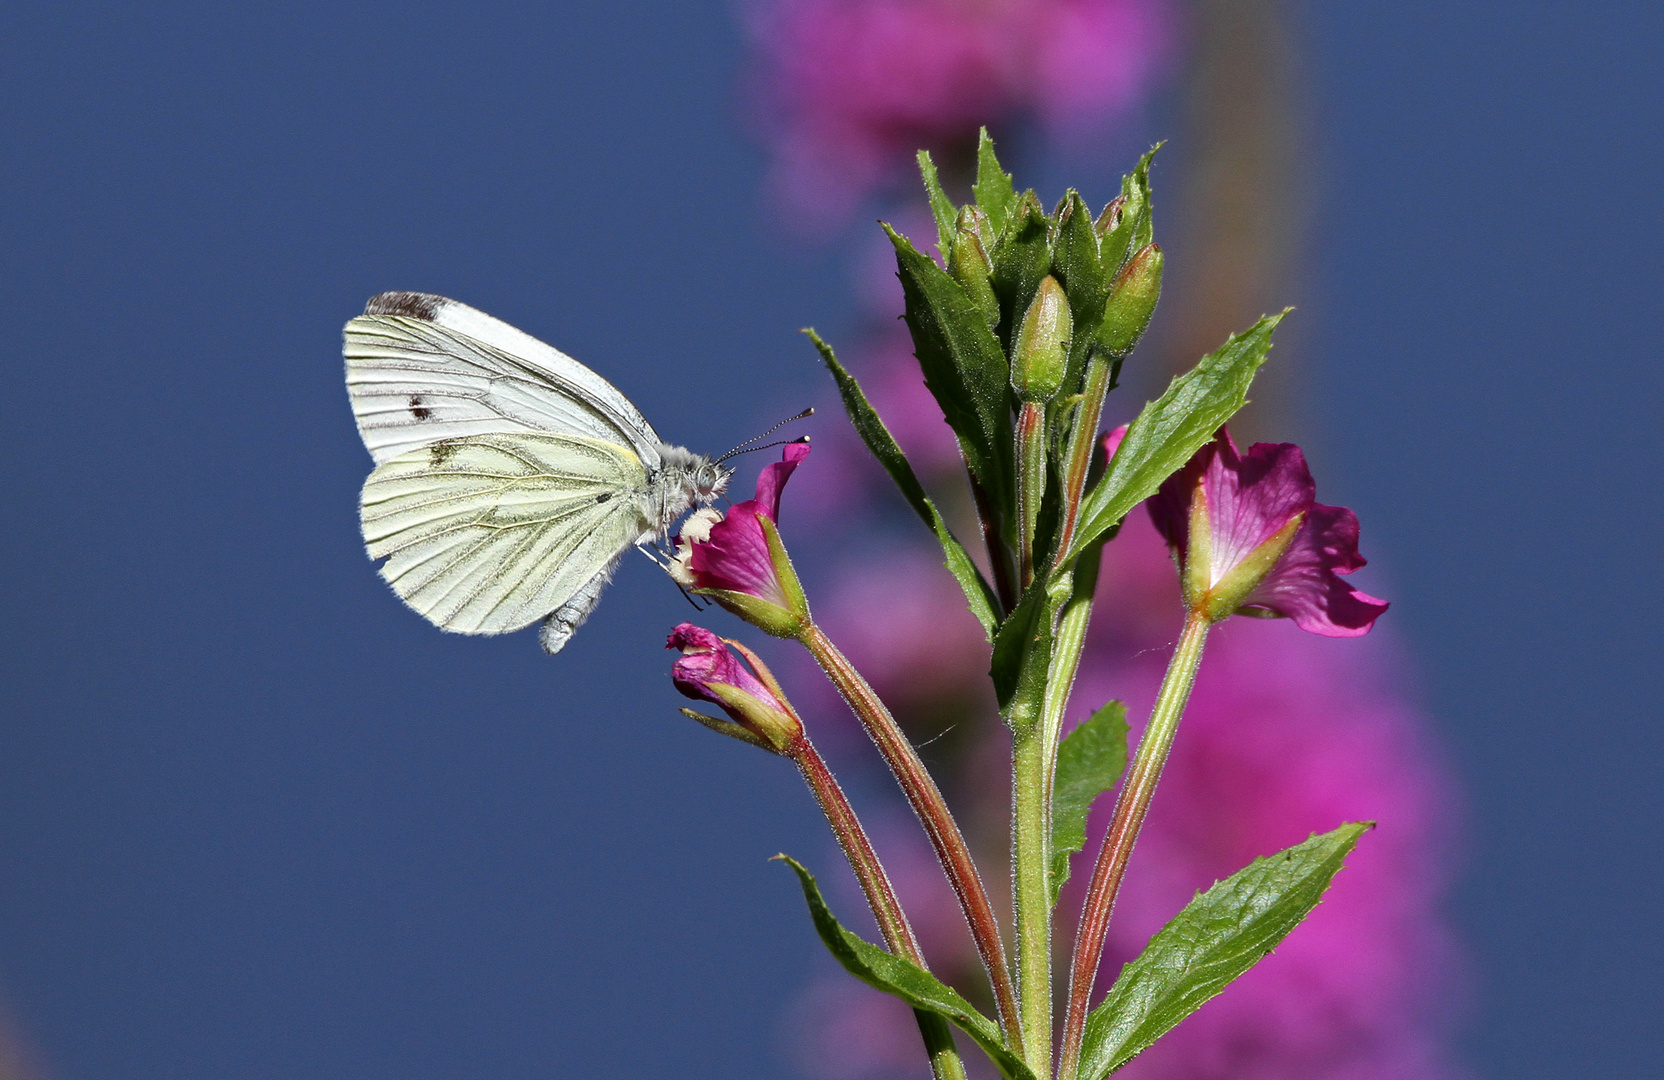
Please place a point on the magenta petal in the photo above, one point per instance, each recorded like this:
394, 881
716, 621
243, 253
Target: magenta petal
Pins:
773, 478
1252, 496
1305, 585
736, 557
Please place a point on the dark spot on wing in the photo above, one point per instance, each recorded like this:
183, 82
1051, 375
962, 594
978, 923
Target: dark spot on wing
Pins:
603, 497
441, 452
412, 305
417, 409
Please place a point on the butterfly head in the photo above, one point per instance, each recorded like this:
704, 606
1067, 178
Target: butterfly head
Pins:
686, 480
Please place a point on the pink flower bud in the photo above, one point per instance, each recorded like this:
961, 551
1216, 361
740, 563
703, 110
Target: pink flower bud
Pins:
709, 671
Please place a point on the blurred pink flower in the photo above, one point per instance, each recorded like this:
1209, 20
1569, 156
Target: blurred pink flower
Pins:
849, 89
1286, 734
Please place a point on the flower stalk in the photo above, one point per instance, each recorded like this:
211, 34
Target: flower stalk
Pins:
932, 811
1130, 809
897, 932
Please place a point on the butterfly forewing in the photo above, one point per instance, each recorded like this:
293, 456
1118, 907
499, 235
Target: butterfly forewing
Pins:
423, 368
485, 534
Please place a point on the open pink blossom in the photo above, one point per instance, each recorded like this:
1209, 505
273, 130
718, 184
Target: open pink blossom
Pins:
709, 671
1269, 547
737, 559
730, 552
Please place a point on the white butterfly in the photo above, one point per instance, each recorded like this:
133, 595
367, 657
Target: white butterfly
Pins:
509, 477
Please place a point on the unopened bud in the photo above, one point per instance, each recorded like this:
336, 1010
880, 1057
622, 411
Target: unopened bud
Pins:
974, 218
970, 267
1111, 216
1043, 344
1132, 300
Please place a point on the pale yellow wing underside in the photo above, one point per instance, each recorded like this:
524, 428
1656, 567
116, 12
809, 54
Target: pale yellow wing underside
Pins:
486, 534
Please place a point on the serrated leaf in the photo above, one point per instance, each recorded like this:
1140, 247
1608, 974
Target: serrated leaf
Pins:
963, 364
1022, 257
904, 979
1089, 762
992, 189
1172, 428
1218, 936
883, 446
940, 206
1076, 264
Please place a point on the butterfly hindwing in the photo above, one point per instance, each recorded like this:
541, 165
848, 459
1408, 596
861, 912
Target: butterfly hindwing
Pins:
488, 533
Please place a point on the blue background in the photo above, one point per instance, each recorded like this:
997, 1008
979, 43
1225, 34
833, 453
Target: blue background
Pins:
258, 820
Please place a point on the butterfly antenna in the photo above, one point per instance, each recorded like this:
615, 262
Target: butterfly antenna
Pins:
742, 447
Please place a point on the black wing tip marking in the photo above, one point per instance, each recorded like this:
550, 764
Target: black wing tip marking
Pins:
412, 305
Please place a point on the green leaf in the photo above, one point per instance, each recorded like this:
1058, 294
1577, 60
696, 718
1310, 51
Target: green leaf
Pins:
1089, 762
963, 365
1076, 264
905, 979
1218, 936
1171, 429
940, 205
883, 447
993, 190
1022, 257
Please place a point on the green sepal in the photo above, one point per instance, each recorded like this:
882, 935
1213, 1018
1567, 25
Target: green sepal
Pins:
1170, 430
992, 188
978, 594
1022, 258
940, 205
731, 729
1218, 936
1076, 264
963, 364
1090, 761
906, 980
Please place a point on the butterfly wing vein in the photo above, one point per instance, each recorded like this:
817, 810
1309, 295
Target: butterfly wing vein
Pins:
486, 534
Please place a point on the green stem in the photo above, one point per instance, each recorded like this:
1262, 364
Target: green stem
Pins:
932, 811
1031, 893
898, 934
1034, 773
1130, 808
1083, 436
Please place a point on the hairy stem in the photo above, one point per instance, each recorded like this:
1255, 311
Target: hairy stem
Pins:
939, 825
1130, 808
1083, 436
1031, 828
898, 934
1031, 484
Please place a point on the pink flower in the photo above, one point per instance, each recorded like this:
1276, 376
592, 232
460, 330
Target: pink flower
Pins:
737, 559
1250, 536
709, 671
